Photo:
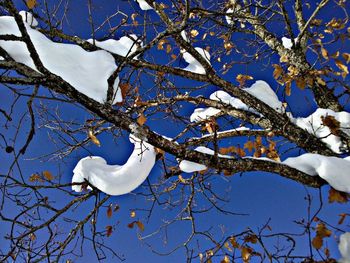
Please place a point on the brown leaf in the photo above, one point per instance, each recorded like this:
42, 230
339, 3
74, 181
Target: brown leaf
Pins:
342, 67
288, 88
249, 145
140, 225
243, 78
251, 239
317, 242
240, 152
322, 230
31, 4
342, 218
131, 225
278, 71
226, 259
35, 178
141, 119
109, 231
227, 150
346, 56
48, 175
93, 138
246, 253
109, 211
124, 88
301, 83
233, 242
336, 196
332, 123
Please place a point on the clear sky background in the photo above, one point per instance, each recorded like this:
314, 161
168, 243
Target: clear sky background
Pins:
261, 196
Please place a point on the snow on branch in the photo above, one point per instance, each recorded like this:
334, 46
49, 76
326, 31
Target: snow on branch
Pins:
116, 179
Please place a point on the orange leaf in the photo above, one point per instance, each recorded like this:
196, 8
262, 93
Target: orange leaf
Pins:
140, 225
243, 78
317, 242
141, 119
249, 145
31, 4
342, 218
48, 175
336, 196
109, 211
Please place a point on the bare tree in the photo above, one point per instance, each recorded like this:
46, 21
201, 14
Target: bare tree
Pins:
299, 45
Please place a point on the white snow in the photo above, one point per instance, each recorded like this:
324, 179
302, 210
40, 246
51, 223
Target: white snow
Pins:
260, 89
344, 248
125, 46
287, 42
143, 5
190, 167
184, 35
194, 65
29, 18
313, 124
86, 71
116, 179
201, 114
332, 169
228, 18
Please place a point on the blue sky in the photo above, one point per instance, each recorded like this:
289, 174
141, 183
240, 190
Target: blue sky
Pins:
262, 196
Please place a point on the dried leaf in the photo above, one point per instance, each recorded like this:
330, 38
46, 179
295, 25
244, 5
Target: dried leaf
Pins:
246, 253
288, 88
109, 211
342, 67
240, 152
226, 259
132, 214
194, 33
124, 88
278, 71
251, 239
336, 196
93, 138
32, 236
332, 123
227, 246
109, 231
243, 78
131, 225
141, 119
324, 53
140, 225
233, 242
35, 178
249, 145
342, 218
317, 242
168, 48
48, 175
346, 56
301, 82
31, 3
227, 150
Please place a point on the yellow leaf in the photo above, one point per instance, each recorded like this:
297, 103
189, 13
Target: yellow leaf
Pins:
141, 119
342, 67
233, 242
278, 71
31, 4
132, 214
48, 175
226, 259
346, 56
243, 78
194, 33
320, 81
284, 58
324, 53
246, 253
168, 48
93, 138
